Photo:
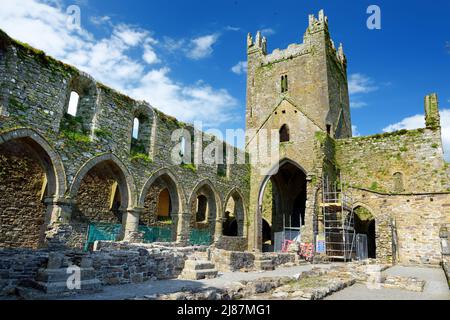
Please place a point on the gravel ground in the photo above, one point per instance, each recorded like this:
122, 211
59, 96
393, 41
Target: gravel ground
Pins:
436, 287
175, 285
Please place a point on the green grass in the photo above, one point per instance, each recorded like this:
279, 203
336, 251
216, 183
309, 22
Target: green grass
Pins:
75, 136
141, 157
189, 166
101, 133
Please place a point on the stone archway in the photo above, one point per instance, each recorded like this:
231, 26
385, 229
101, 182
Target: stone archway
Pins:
234, 214
204, 197
161, 199
102, 191
288, 200
31, 175
365, 224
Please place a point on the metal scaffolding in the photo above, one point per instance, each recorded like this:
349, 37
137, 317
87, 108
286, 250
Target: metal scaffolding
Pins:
338, 221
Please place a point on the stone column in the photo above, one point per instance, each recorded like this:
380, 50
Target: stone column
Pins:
218, 229
130, 222
59, 210
257, 230
183, 229
310, 212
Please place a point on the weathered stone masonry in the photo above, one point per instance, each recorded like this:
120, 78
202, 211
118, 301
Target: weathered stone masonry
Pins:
64, 172
400, 178
60, 172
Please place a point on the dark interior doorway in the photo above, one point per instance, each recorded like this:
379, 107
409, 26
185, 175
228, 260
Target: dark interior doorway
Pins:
365, 224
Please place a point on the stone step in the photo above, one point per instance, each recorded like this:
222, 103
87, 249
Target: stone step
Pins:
59, 275
198, 265
198, 274
92, 285
265, 265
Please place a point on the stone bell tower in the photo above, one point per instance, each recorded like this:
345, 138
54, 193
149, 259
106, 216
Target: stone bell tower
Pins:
298, 91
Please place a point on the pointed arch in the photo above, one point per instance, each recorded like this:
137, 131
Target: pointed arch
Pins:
240, 209
176, 193
125, 180
290, 182
285, 135
51, 160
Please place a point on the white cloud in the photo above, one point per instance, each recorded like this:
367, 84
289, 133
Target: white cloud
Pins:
150, 55
110, 61
355, 131
418, 121
100, 20
202, 47
240, 67
232, 28
268, 32
355, 104
359, 83
414, 122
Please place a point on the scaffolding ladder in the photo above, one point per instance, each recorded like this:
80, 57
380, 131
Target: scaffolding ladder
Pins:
338, 221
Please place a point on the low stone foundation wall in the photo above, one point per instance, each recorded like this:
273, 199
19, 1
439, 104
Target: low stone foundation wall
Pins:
232, 243
18, 265
135, 264
113, 263
279, 259
230, 261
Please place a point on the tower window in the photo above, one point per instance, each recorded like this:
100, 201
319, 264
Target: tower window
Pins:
284, 133
73, 104
284, 84
328, 129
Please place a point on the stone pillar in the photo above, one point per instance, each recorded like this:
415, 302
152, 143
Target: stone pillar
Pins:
130, 222
310, 212
59, 210
183, 229
218, 229
257, 231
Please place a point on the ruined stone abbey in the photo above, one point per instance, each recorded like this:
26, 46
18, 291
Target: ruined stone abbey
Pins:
68, 181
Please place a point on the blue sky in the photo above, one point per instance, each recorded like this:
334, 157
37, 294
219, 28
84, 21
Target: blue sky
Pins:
179, 55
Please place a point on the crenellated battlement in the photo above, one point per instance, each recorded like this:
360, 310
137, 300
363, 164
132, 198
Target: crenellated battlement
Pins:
317, 30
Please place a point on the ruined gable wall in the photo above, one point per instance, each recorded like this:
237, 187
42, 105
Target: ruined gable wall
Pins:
370, 162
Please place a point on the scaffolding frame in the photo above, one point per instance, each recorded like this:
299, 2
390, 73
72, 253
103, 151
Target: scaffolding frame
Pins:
338, 220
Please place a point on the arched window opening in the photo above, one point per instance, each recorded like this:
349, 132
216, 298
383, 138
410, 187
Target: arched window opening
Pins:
284, 133
136, 128
80, 107
222, 168
183, 147
164, 205
284, 84
398, 182
202, 208
73, 104
140, 135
